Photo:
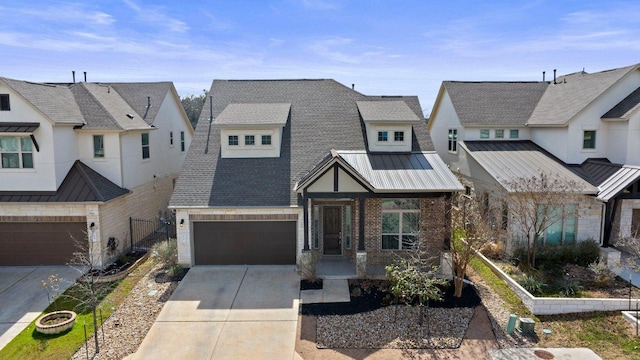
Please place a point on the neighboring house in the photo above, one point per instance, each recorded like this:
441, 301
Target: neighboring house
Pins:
582, 128
282, 169
80, 159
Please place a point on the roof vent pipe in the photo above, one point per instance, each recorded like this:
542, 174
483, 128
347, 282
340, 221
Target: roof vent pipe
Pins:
543, 75
148, 102
554, 76
353, 86
73, 74
85, 76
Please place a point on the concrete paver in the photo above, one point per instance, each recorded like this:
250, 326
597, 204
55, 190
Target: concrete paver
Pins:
22, 297
558, 354
228, 312
335, 290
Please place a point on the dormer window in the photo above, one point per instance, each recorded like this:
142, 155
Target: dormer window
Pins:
398, 136
259, 125
4, 102
388, 124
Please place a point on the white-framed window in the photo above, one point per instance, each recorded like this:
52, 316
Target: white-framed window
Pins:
499, 133
266, 139
453, 140
589, 139
563, 230
514, 134
233, 140
170, 138
383, 136
182, 146
16, 152
398, 136
146, 153
400, 223
249, 140
98, 146
484, 133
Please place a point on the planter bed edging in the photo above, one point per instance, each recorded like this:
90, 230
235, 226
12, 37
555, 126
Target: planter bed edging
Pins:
120, 275
553, 305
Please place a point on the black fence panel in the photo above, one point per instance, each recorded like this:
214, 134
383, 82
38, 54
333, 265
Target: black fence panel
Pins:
145, 233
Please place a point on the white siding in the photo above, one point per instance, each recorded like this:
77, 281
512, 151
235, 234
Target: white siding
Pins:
251, 151
390, 145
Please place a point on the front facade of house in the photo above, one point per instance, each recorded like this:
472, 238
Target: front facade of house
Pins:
80, 159
581, 127
282, 170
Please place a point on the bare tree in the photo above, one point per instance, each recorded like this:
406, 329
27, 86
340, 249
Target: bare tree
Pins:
474, 226
537, 203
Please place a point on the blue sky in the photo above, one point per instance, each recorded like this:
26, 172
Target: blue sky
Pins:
383, 47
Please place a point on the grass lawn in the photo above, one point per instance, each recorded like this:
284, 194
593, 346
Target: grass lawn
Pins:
606, 333
30, 344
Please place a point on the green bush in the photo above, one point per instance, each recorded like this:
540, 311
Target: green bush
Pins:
532, 285
167, 252
581, 253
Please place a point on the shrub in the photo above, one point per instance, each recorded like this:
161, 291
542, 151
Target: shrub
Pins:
167, 252
532, 284
570, 289
493, 250
587, 252
602, 275
549, 256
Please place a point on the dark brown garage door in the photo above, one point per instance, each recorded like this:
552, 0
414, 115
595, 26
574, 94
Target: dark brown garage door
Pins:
42, 243
245, 242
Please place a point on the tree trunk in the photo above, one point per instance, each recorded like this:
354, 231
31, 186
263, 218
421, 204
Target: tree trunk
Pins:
457, 282
420, 314
95, 330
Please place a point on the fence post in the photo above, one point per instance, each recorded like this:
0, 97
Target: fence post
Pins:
130, 234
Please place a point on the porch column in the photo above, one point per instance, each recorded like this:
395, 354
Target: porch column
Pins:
307, 203
361, 224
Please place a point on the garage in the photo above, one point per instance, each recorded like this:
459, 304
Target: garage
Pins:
245, 243
39, 243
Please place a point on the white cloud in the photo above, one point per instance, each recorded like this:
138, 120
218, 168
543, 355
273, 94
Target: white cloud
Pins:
155, 15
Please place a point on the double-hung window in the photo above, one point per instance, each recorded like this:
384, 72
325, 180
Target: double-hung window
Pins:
560, 224
182, 146
499, 133
453, 140
16, 152
170, 138
400, 223
145, 146
4, 102
514, 134
484, 133
589, 139
98, 146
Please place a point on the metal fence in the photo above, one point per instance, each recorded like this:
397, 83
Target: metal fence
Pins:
145, 233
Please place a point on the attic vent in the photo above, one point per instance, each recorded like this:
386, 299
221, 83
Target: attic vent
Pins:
130, 116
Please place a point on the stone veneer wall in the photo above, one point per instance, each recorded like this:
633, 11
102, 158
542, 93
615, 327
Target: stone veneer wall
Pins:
624, 217
434, 228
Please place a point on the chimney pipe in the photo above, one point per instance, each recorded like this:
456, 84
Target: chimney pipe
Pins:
73, 73
543, 75
554, 76
353, 86
148, 102
85, 76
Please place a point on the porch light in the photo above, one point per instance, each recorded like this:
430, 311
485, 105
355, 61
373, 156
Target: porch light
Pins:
181, 222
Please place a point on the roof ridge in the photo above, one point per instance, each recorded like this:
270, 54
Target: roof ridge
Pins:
115, 121
80, 167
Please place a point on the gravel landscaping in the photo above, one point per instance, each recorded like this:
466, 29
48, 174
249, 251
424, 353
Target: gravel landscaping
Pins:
128, 325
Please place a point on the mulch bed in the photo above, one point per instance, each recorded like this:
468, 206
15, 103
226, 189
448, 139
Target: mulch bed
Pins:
122, 263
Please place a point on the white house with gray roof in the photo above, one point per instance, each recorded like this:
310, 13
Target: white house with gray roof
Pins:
283, 169
582, 127
82, 158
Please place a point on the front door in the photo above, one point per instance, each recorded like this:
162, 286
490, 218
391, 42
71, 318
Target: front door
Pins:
332, 230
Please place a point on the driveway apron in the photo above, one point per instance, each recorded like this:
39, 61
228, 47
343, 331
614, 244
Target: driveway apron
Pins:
22, 297
228, 312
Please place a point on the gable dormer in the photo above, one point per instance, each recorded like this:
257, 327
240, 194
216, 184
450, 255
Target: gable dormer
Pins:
388, 125
252, 130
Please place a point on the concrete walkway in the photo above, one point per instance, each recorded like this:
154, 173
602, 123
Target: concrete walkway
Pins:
23, 298
228, 312
333, 290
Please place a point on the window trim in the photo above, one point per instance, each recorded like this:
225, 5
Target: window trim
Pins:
400, 232
20, 152
97, 155
453, 141
592, 140
147, 146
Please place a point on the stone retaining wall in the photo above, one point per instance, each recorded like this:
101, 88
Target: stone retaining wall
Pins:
551, 306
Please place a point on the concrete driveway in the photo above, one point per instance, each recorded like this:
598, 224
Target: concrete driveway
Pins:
228, 312
22, 297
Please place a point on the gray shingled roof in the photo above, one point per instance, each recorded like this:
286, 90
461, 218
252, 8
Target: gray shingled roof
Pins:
572, 93
625, 107
54, 101
119, 114
82, 184
139, 94
386, 111
323, 116
507, 161
494, 103
254, 114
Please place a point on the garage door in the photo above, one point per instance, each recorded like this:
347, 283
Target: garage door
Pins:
41, 243
245, 242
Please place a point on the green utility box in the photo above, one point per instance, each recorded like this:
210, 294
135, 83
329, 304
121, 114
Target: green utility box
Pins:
526, 325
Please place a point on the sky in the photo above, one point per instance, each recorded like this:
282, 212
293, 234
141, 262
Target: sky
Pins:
404, 47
